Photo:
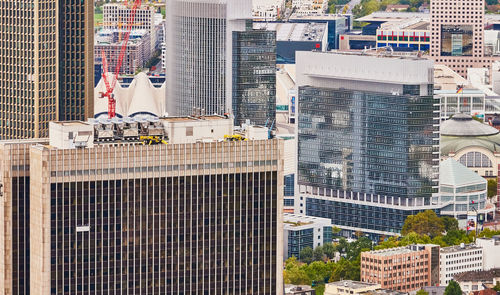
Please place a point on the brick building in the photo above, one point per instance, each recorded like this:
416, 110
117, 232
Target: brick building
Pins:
403, 269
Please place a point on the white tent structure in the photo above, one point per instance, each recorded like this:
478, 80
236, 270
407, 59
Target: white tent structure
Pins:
141, 98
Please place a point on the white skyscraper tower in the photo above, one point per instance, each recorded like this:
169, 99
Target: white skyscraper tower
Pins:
199, 53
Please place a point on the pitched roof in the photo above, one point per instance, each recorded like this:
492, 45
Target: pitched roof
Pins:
482, 275
453, 173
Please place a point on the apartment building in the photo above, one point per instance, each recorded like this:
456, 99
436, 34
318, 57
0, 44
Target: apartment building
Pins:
458, 259
117, 16
402, 269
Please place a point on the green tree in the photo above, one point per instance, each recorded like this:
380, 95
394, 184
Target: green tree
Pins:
453, 288
318, 272
414, 238
492, 187
391, 242
455, 237
450, 223
488, 233
497, 287
318, 254
424, 223
295, 272
329, 250
306, 255
422, 292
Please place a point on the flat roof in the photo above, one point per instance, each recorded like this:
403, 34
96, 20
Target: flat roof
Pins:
312, 32
193, 119
296, 16
353, 284
459, 248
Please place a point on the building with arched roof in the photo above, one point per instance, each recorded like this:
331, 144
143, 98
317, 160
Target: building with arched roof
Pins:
472, 143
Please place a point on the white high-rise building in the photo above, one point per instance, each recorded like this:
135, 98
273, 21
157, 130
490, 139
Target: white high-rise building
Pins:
199, 53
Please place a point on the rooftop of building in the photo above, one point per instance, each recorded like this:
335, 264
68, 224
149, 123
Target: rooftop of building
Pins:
383, 16
458, 248
399, 250
353, 284
322, 17
296, 289
452, 173
478, 276
299, 222
464, 125
384, 292
305, 32
150, 130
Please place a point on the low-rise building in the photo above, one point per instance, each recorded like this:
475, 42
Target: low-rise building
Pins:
491, 252
462, 192
265, 10
302, 231
458, 259
402, 269
348, 287
472, 281
299, 290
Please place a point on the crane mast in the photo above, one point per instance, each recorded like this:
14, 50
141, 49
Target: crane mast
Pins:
111, 86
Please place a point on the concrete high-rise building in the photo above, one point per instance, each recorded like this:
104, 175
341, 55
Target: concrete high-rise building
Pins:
47, 61
368, 144
76, 57
196, 216
199, 53
202, 39
457, 35
14, 212
28, 69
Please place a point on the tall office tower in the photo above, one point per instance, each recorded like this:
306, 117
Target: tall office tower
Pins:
28, 69
368, 142
14, 212
196, 216
76, 60
199, 55
457, 38
254, 74
47, 69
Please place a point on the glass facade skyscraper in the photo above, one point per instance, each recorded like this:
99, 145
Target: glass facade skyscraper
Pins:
254, 76
368, 140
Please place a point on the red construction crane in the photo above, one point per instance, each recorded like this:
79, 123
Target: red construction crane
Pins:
111, 86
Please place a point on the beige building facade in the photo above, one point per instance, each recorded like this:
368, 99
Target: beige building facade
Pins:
169, 219
457, 35
47, 67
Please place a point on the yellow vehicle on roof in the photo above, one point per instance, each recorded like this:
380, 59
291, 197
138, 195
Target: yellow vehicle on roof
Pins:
235, 137
151, 140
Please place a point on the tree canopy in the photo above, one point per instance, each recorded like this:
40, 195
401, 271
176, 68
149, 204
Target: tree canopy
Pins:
453, 288
424, 223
